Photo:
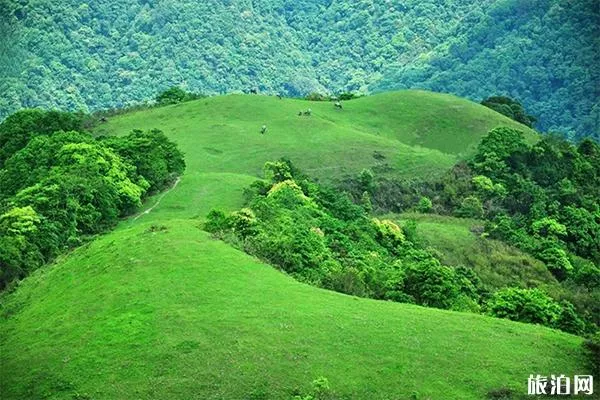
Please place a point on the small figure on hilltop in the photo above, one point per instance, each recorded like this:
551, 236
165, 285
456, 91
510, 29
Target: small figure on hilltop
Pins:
306, 113
263, 129
279, 96
337, 105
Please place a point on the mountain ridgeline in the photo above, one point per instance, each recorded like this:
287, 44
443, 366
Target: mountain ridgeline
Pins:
102, 54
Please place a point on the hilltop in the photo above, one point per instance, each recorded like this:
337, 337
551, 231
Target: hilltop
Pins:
407, 133
159, 309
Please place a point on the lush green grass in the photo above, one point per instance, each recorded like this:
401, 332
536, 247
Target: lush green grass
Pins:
419, 134
496, 263
174, 314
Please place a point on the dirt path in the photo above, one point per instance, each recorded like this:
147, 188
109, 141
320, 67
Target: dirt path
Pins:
159, 199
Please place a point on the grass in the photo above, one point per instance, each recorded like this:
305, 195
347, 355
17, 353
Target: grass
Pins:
496, 263
173, 314
157, 309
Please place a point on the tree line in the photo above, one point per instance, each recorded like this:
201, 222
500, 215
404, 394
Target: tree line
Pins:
59, 185
322, 237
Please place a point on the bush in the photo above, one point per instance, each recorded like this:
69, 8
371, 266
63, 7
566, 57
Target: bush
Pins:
175, 95
524, 305
242, 222
568, 320
471, 207
557, 261
424, 206
389, 235
317, 97
431, 284
216, 221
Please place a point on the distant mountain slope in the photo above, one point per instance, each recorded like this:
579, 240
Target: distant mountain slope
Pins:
545, 53
103, 54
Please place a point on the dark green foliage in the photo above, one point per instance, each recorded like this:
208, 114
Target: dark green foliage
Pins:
509, 107
534, 306
431, 284
470, 208
517, 48
568, 320
20, 127
216, 221
319, 236
474, 49
348, 96
174, 95
156, 158
525, 305
57, 187
593, 346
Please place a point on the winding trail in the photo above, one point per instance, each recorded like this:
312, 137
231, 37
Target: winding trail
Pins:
159, 199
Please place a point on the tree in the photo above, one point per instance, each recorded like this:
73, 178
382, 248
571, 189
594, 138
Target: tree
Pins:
156, 159
511, 108
173, 95
431, 284
524, 305
22, 126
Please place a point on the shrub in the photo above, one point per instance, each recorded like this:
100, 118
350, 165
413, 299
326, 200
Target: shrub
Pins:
243, 222
431, 284
470, 207
568, 320
216, 221
557, 261
315, 96
175, 95
277, 171
424, 205
524, 305
389, 235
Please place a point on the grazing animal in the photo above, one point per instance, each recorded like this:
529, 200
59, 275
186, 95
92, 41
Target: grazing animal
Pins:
263, 129
279, 96
337, 104
253, 91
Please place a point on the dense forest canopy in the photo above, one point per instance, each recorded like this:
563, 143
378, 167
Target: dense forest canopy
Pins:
89, 56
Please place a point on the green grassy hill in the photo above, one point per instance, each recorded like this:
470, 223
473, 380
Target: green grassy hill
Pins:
418, 134
159, 310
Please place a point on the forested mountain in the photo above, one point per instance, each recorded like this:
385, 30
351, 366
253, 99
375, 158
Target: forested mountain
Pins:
78, 55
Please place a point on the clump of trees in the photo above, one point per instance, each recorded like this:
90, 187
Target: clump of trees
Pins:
175, 95
542, 198
534, 306
60, 185
511, 108
322, 237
